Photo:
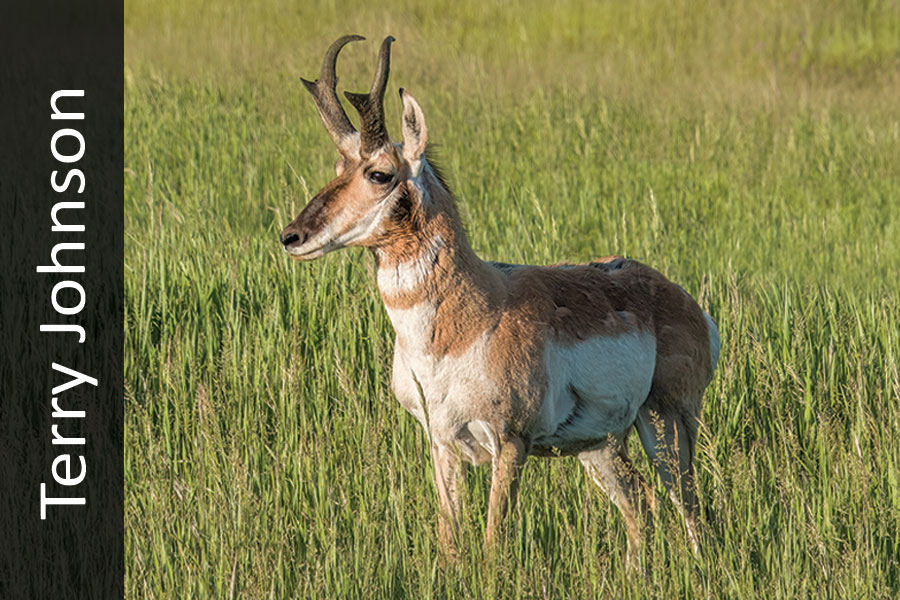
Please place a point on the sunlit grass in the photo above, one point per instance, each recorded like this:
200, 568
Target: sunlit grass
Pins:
750, 153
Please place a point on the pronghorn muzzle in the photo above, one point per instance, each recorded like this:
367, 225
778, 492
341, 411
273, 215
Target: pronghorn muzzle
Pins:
306, 227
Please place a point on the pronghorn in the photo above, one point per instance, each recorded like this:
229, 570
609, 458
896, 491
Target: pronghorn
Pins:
500, 361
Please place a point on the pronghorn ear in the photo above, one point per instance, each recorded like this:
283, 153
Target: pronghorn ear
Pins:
415, 132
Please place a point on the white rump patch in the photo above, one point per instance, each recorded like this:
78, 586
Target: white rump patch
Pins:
715, 343
595, 388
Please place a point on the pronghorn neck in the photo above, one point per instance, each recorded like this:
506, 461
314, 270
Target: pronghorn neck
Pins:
427, 269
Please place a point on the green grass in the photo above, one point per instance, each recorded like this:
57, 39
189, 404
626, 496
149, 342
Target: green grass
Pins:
748, 152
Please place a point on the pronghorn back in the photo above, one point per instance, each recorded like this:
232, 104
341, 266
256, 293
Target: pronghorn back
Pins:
611, 299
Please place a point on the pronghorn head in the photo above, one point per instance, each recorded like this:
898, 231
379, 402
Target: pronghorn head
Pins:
375, 177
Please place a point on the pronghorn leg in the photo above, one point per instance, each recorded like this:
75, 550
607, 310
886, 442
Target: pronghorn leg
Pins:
447, 473
670, 445
506, 466
611, 469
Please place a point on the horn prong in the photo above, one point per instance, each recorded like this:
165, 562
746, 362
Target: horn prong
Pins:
324, 93
373, 130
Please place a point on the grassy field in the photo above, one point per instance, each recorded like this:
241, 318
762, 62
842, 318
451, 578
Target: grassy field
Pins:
751, 153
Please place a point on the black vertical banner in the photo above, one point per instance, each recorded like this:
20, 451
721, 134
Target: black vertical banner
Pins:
61, 436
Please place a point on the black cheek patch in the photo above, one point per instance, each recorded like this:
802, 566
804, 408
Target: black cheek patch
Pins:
401, 212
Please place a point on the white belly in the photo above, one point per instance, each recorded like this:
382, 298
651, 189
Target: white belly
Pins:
595, 388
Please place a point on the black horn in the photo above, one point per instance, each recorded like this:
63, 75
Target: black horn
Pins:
324, 94
374, 134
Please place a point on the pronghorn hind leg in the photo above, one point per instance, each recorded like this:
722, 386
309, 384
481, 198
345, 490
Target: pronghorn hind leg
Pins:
611, 469
506, 467
669, 443
447, 476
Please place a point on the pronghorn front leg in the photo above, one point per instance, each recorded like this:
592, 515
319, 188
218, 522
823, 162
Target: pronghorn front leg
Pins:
506, 468
447, 472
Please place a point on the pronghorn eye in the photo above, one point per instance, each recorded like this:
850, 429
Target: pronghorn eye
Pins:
379, 176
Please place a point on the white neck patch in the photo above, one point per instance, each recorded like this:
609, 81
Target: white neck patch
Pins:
406, 276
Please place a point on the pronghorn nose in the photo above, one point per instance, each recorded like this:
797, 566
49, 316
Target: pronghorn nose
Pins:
289, 238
